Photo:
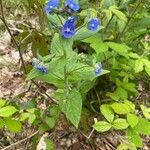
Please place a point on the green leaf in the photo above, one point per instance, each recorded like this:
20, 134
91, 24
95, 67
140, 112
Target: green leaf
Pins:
43, 128
113, 96
32, 74
49, 144
134, 137
97, 44
92, 39
133, 55
120, 124
108, 13
129, 86
55, 20
2, 103
130, 104
31, 118
132, 120
54, 111
122, 93
118, 13
107, 112
121, 49
102, 126
39, 44
24, 116
146, 62
126, 146
121, 108
1, 123
13, 125
99, 47
147, 69
147, 65
143, 126
7, 111
143, 21
61, 46
72, 107
84, 33
146, 111
91, 11
107, 3
50, 121
138, 65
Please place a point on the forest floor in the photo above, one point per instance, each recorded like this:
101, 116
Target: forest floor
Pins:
13, 87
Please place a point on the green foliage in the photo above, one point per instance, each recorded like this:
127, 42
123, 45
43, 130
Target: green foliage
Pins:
127, 146
146, 111
13, 125
102, 126
107, 112
7, 111
120, 124
7, 119
120, 44
134, 137
143, 126
132, 120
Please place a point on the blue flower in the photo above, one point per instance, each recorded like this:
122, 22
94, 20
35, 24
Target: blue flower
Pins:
51, 4
93, 24
38, 66
68, 29
71, 20
72, 5
98, 68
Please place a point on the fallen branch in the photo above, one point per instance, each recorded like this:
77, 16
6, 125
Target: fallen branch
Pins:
19, 142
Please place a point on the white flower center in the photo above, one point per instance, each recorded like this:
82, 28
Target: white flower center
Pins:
68, 30
92, 25
51, 6
71, 5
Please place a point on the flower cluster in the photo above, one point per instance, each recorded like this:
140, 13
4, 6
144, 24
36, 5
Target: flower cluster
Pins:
98, 68
68, 28
51, 4
41, 68
72, 5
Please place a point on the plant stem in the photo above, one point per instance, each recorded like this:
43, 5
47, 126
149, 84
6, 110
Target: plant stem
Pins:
19, 142
131, 16
106, 28
15, 42
19, 49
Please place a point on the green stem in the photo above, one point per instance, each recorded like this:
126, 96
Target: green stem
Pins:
131, 16
108, 23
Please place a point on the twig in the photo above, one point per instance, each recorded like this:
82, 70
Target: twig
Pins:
15, 42
23, 140
90, 134
19, 49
